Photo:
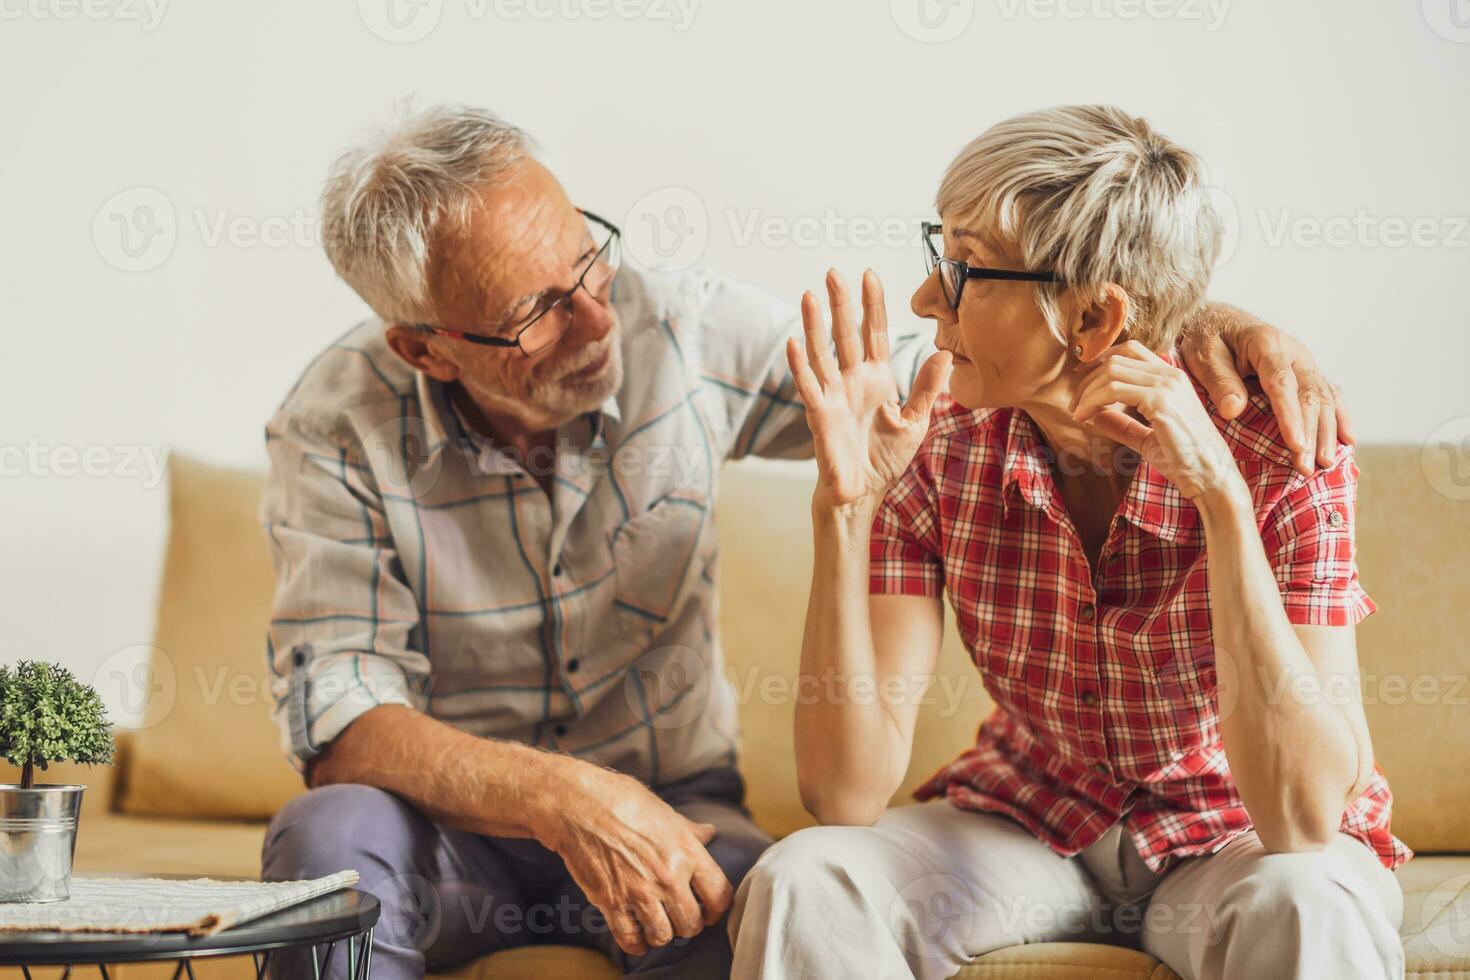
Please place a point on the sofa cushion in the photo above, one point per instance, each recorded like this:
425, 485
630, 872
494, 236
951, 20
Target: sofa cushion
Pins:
1064, 961
207, 747
1436, 926
169, 845
1413, 538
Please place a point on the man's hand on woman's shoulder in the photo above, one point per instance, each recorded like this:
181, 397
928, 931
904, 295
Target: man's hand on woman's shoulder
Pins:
1224, 345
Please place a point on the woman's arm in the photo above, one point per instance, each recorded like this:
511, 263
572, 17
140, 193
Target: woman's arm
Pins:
1296, 758
1295, 737
868, 659
854, 730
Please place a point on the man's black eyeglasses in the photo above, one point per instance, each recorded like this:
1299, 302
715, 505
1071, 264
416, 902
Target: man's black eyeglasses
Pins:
541, 330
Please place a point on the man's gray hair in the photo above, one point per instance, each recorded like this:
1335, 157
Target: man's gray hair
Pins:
1095, 196
385, 200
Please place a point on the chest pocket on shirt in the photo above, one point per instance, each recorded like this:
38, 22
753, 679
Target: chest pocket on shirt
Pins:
656, 556
1177, 696
1003, 668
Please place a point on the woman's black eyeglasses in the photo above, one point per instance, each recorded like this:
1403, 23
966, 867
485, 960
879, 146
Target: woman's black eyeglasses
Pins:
953, 274
543, 329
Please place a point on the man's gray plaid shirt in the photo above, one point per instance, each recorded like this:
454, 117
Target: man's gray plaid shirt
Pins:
418, 566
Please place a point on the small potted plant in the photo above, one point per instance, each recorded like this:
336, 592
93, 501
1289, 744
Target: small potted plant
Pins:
46, 715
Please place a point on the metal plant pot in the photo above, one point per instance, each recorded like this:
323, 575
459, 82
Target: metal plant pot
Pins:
38, 833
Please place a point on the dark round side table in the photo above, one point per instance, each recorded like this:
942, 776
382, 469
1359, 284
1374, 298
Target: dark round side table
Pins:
342, 918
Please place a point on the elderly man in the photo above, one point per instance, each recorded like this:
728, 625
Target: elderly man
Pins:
494, 643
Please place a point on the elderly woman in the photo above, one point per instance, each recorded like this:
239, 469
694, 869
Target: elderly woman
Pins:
1153, 596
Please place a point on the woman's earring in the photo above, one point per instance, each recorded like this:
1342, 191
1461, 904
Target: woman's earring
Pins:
1077, 351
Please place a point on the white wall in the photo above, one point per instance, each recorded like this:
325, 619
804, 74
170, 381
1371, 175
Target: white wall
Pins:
752, 111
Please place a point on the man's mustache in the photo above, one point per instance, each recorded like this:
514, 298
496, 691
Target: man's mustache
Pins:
592, 358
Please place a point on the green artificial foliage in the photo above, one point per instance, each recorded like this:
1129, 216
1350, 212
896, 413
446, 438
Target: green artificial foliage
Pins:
47, 715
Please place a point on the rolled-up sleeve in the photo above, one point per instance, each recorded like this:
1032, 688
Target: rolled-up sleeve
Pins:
342, 618
904, 547
1309, 541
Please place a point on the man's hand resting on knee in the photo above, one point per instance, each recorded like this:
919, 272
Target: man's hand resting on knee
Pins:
639, 861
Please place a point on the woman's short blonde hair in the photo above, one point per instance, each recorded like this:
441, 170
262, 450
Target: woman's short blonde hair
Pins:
1095, 196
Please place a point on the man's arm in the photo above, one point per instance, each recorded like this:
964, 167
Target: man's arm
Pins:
481, 785
746, 331
343, 619
639, 860
342, 629
743, 356
1222, 345
349, 685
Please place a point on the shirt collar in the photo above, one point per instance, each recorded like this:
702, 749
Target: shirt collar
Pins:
1026, 469
1151, 502
434, 404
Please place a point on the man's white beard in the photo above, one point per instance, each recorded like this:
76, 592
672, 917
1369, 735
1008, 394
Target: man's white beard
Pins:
570, 397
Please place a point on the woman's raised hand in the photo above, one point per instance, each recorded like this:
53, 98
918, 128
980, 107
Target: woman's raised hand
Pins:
864, 439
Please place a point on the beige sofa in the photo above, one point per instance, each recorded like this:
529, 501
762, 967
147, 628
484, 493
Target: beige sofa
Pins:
193, 787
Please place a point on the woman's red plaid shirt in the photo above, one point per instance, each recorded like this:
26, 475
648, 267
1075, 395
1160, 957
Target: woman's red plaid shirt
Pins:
1105, 689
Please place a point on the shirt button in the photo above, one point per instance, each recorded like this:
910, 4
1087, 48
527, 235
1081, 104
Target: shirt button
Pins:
1175, 756
561, 730
1089, 697
557, 570
572, 665
1088, 611
1100, 767
1335, 518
